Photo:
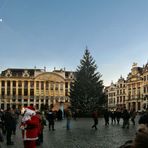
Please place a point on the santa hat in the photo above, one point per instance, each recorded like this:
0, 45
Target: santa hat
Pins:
30, 110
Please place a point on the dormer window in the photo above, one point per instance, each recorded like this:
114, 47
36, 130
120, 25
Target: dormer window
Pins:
70, 76
25, 74
8, 73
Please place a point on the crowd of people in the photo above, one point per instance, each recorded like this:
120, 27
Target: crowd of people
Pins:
140, 140
119, 114
32, 124
8, 123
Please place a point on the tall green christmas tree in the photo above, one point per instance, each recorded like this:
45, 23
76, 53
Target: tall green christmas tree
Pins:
87, 90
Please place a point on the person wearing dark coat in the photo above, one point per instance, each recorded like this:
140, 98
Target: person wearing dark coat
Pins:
95, 118
9, 124
144, 118
15, 117
113, 116
118, 115
1, 126
51, 118
59, 114
133, 116
106, 117
42, 123
126, 117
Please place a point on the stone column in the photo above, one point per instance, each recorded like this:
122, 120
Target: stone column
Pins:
59, 89
39, 103
44, 100
49, 89
54, 89
64, 91
29, 89
39, 87
44, 88
34, 88
5, 87
22, 88
16, 88
11, 87
5, 98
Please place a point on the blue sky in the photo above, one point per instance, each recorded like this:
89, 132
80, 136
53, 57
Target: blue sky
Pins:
55, 33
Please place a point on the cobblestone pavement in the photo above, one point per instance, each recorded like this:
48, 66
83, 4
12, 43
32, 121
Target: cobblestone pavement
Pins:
81, 135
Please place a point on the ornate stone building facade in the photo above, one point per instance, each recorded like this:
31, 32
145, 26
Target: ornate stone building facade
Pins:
132, 92
121, 92
23, 87
112, 101
145, 86
134, 99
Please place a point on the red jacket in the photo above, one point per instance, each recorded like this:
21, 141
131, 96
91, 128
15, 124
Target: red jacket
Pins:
31, 128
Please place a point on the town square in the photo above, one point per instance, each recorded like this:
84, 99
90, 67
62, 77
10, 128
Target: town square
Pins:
73, 74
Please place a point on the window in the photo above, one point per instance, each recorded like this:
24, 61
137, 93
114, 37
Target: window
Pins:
8, 84
31, 100
37, 84
66, 92
117, 99
61, 86
8, 91
31, 84
31, 92
3, 83
120, 91
19, 84
19, 91
42, 85
66, 85
120, 99
14, 83
123, 91
123, 98
51, 86
25, 84
56, 86
25, 92
47, 84
66, 74
3, 91
14, 92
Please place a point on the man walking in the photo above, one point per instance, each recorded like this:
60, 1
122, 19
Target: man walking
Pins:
68, 117
95, 118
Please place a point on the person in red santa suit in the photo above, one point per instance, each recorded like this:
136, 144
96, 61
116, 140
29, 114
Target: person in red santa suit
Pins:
30, 127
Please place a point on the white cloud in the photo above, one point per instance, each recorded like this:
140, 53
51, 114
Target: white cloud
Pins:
1, 19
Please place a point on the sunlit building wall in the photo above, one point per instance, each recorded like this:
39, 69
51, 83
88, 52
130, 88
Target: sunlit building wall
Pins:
23, 87
131, 93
